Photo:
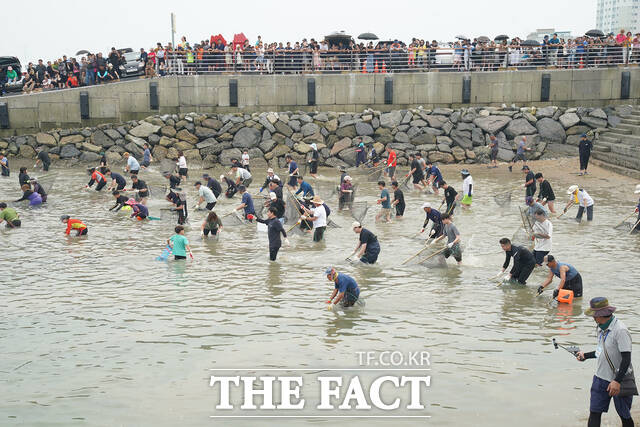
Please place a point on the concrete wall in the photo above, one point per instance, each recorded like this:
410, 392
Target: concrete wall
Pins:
129, 100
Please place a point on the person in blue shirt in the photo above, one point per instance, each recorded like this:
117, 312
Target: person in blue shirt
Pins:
304, 187
570, 278
432, 215
4, 165
385, 202
246, 203
133, 166
293, 172
146, 157
434, 176
360, 155
345, 289
117, 181
368, 247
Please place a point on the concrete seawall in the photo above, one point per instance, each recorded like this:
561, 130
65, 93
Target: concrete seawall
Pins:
131, 100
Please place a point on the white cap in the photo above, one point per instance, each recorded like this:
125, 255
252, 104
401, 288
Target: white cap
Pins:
347, 178
221, 177
572, 189
637, 189
269, 170
426, 205
356, 224
272, 195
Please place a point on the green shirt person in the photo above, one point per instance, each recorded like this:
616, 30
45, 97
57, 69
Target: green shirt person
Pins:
179, 244
9, 215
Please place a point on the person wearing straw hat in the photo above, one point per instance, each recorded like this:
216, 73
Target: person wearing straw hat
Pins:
346, 194
345, 289
368, 247
318, 216
581, 198
570, 278
614, 376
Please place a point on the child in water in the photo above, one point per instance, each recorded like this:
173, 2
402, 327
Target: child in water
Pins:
179, 244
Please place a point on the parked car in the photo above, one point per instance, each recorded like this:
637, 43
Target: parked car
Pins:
132, 65
13, 62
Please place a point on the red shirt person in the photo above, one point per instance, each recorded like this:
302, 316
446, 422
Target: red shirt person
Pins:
392, 162
74, 224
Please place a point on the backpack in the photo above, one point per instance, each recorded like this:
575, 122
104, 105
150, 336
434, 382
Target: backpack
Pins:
326, 208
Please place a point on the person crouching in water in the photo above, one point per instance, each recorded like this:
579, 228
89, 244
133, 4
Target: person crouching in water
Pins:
34, 198
74, 224
140, 211
211, 225
345, 290
96, 177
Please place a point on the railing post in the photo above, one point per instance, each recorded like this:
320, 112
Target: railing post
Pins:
545, 87
625, 85
466, 89
84, 104
154, 103
4, 115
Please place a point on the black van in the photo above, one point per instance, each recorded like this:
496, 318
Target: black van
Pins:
13, 62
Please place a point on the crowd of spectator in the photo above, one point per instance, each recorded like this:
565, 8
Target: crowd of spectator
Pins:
216, 55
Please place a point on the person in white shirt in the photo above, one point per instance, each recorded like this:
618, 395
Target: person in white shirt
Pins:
133, 166
182, 166
318, 215
206, 195
542, 232
243, 176
245, 160
581, 198
467, 189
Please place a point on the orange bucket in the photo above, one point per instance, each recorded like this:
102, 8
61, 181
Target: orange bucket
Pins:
565, 296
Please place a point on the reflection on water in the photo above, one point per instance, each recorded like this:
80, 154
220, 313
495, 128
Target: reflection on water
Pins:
111, 335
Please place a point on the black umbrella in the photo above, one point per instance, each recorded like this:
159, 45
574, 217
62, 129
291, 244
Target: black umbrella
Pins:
462, 37
530, 43
82, 52
484, 39
368, 36
502, 37
594, 33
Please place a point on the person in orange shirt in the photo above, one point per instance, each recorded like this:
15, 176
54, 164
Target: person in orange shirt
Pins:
96, 177
72, 81
74, 224
392, 162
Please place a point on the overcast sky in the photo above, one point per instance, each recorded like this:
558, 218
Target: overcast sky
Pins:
42, 29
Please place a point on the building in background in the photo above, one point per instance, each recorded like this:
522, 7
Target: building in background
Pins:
615, 15
541, 32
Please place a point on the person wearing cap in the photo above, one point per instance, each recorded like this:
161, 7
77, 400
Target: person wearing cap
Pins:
398, 199
493, 144
343, 173
523, 261
138, 210
584, 149
346, 194
213, 184
453, 239
581, 198
140, 187
243, 176
278, 204
432, 215
534, 207
317, 216
246, 204
613, 364
117, 181
522, 147
121, 201
74, 224
570, 278
275, 186
529, 181
133, 167
546, 196
293, 171
206, 195
10, 216
314, 158
345, 289
467, 189
385, 202
96, 177
392, 163
434, 176
174, 180
541, 233
43, 157
450, 197
368, 247
27, 194
274, 230
231, 186
416, 172
304, 187
4, 165
270, 177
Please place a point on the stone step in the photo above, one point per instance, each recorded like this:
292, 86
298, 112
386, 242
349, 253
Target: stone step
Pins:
631, 121
618, 148
635, 130
618, 159
620, 131
614, 168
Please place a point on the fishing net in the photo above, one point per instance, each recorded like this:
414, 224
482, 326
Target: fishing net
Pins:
374, 176
332, 224
503, 199
624, 226
522, 238
291, 212
231, 220
359, 210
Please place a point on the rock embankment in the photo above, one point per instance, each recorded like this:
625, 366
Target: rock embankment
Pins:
442, 135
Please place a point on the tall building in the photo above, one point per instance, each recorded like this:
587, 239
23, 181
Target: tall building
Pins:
615, 15
541, 32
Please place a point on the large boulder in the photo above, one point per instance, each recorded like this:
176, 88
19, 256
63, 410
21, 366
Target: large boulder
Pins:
347, 132
569, 119
401, 137
594, 122
27, 151
462, 139
546, 112
519, 127
348, 156
144, 129
226, 156
204, 133
159, 152
309, 129
183, 146
185, 135
598, 113
267, 145
425, 138
71, 139
192, 154
283, 128
578, 130
302, 148
439, 157
550, 130
89, 157
492, 124
87, 146
46, 139
101, 139
335, 163
247, 138
279, 151
505, 155
436, 121
364, 129
69, 151
390, 120
340, 145
212, 124
331, 125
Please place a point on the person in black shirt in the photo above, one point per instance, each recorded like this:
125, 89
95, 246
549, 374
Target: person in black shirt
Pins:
37, 188
117, 181
276, 187
545, 194
274, 229
120, 201
23, 177
449, 197
398, 199
141, 186
529, 181
43, 157
213, 184
231, 186
174, 180
103, 163
278, 204
584, 148
416, 171
523, 261
180, 204
368, 247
